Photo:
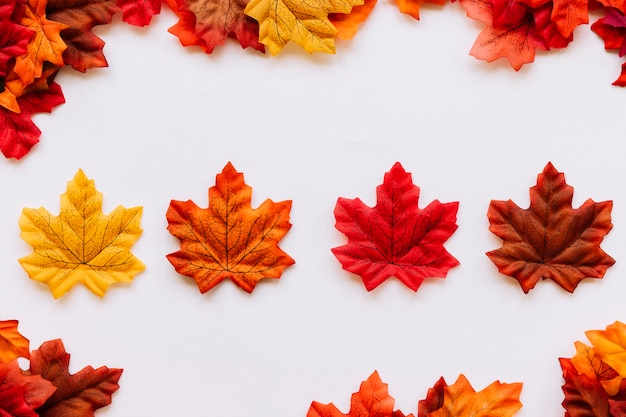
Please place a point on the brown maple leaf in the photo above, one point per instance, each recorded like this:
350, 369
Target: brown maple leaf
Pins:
551, 239
229, 239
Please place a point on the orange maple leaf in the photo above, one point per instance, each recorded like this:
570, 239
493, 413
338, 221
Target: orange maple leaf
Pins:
497, 399
348, 24
229, 239
12, 343
412, 7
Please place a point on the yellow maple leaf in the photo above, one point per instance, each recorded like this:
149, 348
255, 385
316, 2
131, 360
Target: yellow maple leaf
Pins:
81, 244
498, 399
610, 346
304, 22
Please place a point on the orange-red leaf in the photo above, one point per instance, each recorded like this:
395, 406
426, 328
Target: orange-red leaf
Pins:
372, 400
412, 7
21, 393
348, 24
551, 239
584, 396
12, 343
77, 395
395, 237
229, 239
139, 12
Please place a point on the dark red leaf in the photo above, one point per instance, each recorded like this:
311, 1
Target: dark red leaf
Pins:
584, 396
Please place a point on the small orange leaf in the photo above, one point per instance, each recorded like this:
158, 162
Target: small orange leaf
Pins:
498, 399
412, 7
348, 24
12, 343
610, 346
229, 239
81, 244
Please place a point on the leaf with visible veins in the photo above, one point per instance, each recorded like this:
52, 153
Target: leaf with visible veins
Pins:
550, 239
81, 244
229, 239
395, 237
139, 12
20, 392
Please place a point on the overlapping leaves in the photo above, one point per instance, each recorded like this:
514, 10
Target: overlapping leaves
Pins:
456, 400
46, 388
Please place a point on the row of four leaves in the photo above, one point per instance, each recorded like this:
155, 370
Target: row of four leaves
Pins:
230, 239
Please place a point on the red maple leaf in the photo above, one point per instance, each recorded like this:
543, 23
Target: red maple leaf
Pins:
21, 394
372, 400
84, 48
19, 134
13, 36
77, 395
395, 238
139, 12
208, 23
612, 30
551, 239
584, 396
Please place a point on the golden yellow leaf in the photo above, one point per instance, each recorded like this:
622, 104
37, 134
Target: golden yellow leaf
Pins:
610, 346
81, 244
498, 399
304, 22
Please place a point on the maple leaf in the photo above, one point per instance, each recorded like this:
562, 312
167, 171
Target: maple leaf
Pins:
207, 23
372, 400
587, 362
395, 237
20, 393
84, 48
305, 23
550, 239
610, 347
77, 395
584, 395
565, 14
81, 244
19, 133
434, 399
139, 12
348, 24
13, 37
229, 239
497, 399
412, 7
12, 343
612, 30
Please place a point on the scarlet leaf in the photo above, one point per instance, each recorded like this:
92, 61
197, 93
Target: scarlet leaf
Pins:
551, 239
612, 30
12, 344
229, 239
13, 37
82, 244
498, 399
84, 48
372, 400
77, 395
207, 23
19, 134
395, 237
21, 394
139, 12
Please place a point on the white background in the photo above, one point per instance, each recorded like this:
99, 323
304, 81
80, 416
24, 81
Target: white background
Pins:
163, 120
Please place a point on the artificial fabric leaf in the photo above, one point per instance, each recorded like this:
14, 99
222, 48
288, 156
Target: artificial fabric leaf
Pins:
612, 30
305, 23
610, 346
550, 239
45, 45
19, 133
12, 343
77, 395
139, 12
348, 24
372, 400
207, 23
587, 362
412, 7
497, 399
566, 14
13, 37
584, 396
21, 393
395, 237
84, 48
434, 399
229, 239
81, 244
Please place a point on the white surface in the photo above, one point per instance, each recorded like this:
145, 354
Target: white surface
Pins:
163, 120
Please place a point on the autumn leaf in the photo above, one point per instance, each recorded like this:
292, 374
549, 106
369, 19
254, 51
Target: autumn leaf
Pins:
12, 344
497, 399
434, 399
610, 346
21, 393
139, 12
550, 239
372, 400
395, 237
229, 239
587, 362
77, 395
612, 30
81, 244
584, 395
305, 23
13, 37
208, 23
348, 24
19, 133
84, 48
412, 7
